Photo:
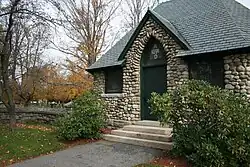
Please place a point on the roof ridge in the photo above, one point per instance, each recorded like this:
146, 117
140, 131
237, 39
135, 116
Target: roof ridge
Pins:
238, 28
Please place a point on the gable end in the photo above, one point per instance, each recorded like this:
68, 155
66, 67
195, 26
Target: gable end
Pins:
159, 20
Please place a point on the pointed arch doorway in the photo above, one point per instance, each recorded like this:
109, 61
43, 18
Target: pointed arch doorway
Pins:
153, 75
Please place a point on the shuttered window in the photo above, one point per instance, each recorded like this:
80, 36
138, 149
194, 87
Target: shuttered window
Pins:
113, 81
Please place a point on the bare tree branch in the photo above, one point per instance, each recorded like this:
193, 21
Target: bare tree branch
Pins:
86, 24
135, 9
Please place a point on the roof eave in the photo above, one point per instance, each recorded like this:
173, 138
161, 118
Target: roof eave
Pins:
242, 50
92, 70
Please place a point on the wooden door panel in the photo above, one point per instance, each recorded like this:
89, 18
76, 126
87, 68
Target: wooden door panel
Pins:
154, 80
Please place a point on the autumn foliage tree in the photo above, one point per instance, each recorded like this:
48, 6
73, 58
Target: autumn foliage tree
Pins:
28, 88
79, 80
63, 86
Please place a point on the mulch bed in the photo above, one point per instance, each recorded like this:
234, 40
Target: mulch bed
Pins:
106, 131
73, 143
170, 161
85, 141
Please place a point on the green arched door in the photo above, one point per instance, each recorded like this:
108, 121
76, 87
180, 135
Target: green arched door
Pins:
153, 75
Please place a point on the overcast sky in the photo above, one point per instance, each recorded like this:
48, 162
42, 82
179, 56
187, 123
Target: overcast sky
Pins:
56, 56
245, 2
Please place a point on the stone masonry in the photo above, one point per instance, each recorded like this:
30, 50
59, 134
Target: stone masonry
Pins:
124, 108
237, 73
22, 116
44, 115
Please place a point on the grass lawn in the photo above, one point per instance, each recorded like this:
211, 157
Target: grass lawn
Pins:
26, 142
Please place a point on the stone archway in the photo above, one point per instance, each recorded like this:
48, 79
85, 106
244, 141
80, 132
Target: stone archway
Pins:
132, 70
153, 75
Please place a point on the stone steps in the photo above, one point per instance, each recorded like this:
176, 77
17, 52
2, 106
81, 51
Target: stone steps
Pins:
148, 129
139, 142
147, 136
150, 123
143, 133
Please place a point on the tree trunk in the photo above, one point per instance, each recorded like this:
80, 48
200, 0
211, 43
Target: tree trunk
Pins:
12, 113
5, 53
26, 103
9, 103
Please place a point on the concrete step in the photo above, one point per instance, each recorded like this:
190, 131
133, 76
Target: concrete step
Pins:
150, 123
140, 142
148, 129
140, 135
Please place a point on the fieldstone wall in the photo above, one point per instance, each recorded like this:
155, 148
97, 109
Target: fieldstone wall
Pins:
99, 82
237, 73
125, 108
44, 116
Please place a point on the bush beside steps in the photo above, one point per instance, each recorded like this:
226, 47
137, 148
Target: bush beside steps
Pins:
210, 124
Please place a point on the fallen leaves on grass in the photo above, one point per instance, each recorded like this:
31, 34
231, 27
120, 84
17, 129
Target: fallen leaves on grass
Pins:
25, 142
38, 127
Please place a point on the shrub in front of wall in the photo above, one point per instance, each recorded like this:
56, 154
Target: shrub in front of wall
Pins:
161, 105
210, 124
85, 120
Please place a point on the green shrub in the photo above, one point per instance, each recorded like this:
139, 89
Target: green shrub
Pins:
210, 125
86, 119
161, 105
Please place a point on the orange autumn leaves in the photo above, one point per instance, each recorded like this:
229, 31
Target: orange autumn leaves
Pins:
64, 86
52, 83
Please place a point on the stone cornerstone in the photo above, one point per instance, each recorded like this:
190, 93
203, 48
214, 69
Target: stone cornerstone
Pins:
124, 108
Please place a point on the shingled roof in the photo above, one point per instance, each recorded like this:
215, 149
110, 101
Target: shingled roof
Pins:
203, 26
